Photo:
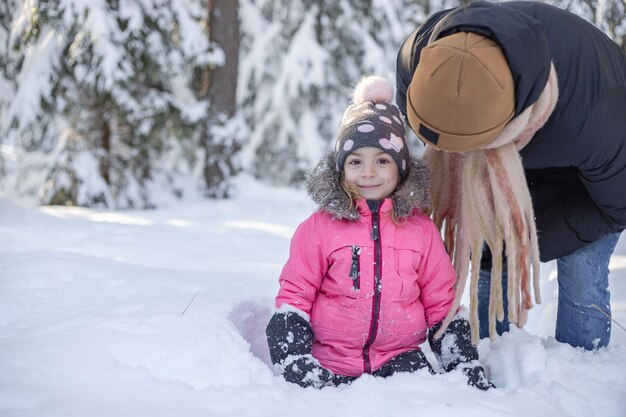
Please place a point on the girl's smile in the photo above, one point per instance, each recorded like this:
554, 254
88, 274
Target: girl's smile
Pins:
372, 171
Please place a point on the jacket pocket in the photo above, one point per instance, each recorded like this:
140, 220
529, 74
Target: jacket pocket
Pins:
407, 266
346, 276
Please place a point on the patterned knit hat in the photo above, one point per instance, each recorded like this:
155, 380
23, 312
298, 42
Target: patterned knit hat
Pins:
372, 120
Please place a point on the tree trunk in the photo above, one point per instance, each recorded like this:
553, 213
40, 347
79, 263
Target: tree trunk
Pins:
222, 89
224, 31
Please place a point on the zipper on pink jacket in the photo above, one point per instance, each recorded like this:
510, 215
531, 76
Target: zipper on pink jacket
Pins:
355, 272
367, 365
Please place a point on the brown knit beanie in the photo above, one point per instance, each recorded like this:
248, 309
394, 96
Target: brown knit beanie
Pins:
462, 93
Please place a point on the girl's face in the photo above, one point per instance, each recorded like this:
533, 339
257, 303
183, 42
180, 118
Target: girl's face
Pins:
372, 172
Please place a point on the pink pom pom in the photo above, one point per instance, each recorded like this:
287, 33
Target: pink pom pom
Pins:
373, 88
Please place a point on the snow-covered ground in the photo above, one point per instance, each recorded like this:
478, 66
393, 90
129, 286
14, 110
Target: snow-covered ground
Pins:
92, 323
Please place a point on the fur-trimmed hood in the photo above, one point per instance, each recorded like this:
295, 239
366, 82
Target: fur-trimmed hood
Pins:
324, 188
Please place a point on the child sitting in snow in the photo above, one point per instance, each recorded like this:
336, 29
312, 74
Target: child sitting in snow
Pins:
368, 278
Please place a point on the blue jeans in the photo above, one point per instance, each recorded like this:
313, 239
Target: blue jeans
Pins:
583, 278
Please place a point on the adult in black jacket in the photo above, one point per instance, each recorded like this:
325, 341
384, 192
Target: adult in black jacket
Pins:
483, 81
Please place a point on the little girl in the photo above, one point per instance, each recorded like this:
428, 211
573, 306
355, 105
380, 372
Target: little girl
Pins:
368, 274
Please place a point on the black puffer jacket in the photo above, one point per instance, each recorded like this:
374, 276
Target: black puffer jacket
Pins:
576, 164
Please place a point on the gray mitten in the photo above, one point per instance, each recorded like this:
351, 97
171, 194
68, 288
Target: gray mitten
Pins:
455, 349
290, 338
306, 371
476, 375
288, 333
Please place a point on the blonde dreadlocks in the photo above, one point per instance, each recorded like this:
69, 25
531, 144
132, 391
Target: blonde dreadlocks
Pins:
481, 196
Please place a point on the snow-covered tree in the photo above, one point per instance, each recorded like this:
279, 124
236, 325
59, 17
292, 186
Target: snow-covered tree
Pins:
300, 61
223, 129
301, 58
104, 102
104, 107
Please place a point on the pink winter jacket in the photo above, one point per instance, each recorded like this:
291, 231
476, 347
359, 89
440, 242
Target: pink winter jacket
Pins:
330, 276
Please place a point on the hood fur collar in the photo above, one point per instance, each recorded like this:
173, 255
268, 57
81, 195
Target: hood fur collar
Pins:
323, 186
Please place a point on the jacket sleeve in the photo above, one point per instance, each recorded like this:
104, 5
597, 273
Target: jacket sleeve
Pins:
436, 277
598, 208
305, 269
289, 333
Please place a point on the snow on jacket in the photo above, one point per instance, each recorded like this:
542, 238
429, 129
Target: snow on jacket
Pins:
576, 164
371, 287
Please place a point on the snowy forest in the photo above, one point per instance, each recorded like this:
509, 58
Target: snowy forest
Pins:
152, 158
115, 104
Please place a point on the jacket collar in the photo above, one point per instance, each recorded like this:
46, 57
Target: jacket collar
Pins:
324, 188
364, 209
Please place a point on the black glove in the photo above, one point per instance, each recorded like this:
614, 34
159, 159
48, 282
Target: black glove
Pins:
455, 347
